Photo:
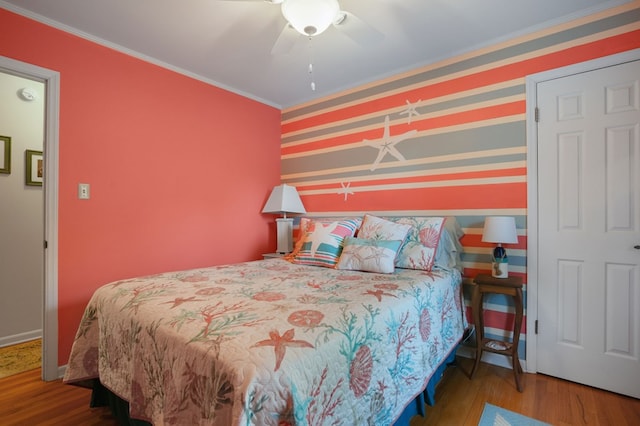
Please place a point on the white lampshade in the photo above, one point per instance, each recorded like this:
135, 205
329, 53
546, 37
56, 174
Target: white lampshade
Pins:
310, 17
284, 199
500, 229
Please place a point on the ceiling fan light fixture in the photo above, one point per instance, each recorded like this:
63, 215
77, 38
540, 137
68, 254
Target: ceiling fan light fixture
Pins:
310, 17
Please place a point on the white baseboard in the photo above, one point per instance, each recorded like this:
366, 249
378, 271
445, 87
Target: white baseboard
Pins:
61, 370
19, 338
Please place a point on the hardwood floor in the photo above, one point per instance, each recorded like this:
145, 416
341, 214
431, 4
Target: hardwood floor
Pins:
460, 401
26, 400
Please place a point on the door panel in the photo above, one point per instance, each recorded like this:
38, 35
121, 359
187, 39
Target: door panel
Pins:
589, 224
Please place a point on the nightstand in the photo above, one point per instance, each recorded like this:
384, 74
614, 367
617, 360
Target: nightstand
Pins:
272, 255
511, 286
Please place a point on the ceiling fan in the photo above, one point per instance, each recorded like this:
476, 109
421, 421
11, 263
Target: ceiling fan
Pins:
310, 18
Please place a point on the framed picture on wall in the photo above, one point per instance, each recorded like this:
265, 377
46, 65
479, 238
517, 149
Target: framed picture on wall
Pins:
5, 154
34, 167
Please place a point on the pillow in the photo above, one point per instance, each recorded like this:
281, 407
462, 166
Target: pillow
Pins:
419, 249
304, 226
449, 247
302, 231
376, 228
361, 254
322, 243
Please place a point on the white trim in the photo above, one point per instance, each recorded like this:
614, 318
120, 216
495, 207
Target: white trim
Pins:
532, 178
50, 186
20, 338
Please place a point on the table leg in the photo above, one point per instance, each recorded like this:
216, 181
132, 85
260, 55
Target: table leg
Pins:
476, 306
517, 369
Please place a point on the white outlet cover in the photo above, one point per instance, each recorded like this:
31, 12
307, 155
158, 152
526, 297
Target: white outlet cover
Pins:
83, 191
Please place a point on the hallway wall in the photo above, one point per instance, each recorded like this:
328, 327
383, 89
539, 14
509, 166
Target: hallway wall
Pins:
21, 215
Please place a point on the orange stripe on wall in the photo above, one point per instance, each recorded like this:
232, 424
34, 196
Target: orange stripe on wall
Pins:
480, 114
497, 196
475, 240
519, 171
587, 51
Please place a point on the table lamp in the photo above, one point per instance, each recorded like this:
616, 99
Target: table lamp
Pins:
284, 199
500, 230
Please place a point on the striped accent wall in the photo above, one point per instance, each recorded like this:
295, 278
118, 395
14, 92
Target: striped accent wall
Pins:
445, 139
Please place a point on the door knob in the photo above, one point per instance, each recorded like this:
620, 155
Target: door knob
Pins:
637, 247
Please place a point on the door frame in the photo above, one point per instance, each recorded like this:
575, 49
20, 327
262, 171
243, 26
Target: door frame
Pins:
532, 183
51, 79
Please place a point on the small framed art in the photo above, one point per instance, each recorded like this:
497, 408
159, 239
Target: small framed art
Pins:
5, 154
34, 167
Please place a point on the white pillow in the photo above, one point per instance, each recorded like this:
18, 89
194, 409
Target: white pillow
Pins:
360, 254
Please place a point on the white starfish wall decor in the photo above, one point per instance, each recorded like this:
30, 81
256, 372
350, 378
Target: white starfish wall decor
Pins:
387, 144
345, 190
411, 110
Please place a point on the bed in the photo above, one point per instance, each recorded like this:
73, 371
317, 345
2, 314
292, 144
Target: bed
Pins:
276, 341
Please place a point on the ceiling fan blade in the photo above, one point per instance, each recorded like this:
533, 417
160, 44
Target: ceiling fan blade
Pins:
286, 40
357, 29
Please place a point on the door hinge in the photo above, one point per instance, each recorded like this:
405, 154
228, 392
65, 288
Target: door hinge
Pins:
536, 327
46, 244
536, 114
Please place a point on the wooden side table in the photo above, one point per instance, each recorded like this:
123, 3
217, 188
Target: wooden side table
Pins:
511, 286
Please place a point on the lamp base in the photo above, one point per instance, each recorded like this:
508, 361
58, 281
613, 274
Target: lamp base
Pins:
284, 232
500, 264
500, 270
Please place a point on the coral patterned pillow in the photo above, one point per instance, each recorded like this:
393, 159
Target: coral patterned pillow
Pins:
376, 228
419, 249
360, 254
323, 242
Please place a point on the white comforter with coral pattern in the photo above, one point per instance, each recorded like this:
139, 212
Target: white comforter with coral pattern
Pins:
269, 342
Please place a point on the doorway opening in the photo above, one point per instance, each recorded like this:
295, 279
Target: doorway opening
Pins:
51, 79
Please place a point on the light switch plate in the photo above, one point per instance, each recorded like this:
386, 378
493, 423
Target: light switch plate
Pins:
83, 191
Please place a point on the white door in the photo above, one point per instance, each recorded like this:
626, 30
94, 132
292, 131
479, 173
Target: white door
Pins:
589, 228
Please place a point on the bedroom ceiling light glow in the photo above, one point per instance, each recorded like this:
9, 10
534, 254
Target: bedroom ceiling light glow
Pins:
310, 17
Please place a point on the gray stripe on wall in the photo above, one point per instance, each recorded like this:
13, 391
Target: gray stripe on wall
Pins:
506, 135
348, 176
508, 52
427, 109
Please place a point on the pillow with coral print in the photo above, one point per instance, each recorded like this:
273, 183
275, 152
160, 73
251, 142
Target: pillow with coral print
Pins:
419, 249
377, 228
323, 242
360, 254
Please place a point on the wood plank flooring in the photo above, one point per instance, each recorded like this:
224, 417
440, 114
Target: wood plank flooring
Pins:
26, 400
460, 401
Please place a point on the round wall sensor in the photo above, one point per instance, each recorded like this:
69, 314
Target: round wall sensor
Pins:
28, 94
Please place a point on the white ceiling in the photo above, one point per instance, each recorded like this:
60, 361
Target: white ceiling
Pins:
228, 42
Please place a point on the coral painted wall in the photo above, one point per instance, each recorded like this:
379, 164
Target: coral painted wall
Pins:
179, 169
457, 139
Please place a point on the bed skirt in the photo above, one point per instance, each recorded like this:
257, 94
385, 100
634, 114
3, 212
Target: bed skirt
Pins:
103, 397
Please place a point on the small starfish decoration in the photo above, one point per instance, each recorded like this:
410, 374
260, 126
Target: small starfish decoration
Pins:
280, 344
411, 110
378, 294
345, 190
179, 301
